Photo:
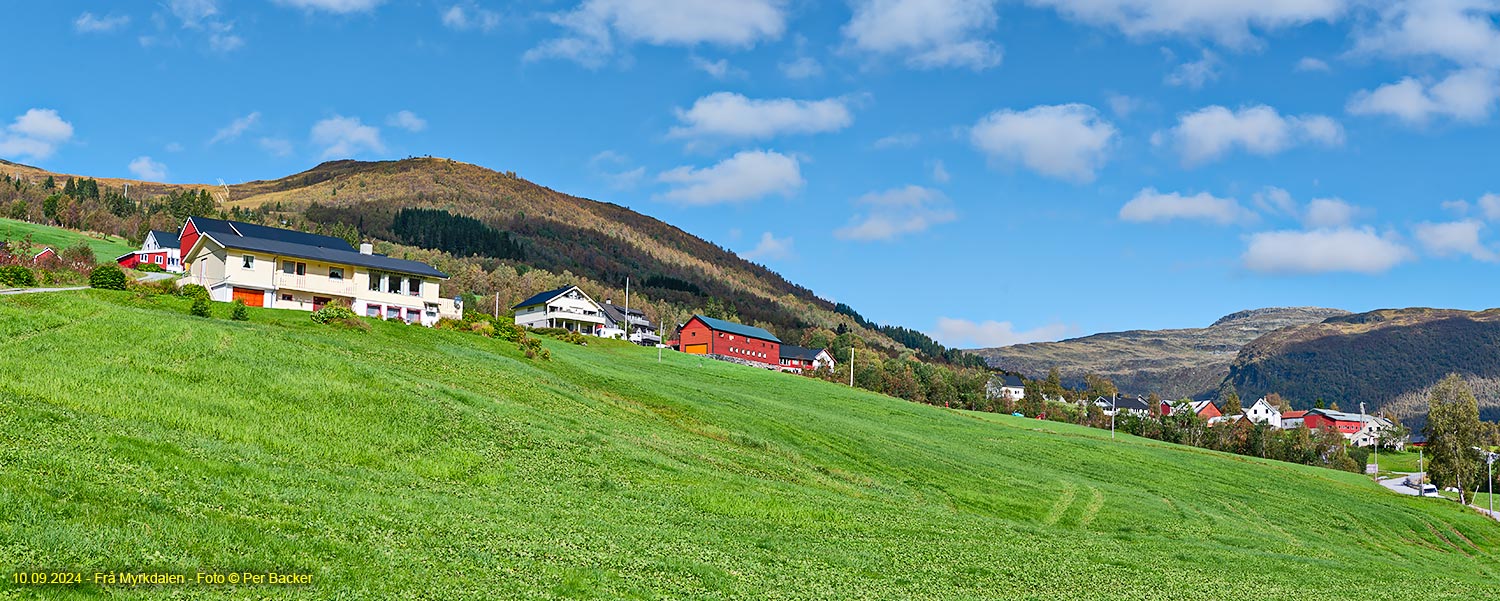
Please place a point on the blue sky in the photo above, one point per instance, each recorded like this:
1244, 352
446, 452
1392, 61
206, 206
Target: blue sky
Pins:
989, 172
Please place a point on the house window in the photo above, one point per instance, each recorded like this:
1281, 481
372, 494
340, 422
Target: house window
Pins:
156, 259
375, 281
372, 310
414, 286
249, 262
393, 312
286, 297
335, 273
413, 315
394, 285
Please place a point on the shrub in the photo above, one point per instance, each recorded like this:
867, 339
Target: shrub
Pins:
532, 347
107, 277
333, 312
200, 307
80, 256
483, 328
509, 332
16, 276
193, 291
448, 323
238, 312
150, 268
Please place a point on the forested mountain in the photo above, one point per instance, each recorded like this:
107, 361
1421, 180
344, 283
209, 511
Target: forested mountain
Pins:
1173, 363
1384, 358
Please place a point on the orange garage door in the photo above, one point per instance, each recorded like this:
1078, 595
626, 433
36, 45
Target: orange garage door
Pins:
251, 298
696, 349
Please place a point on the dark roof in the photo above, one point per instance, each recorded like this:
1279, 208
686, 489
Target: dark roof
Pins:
1010, 381
543, 297
616, 313
274, 234
167, 239
799, 352
1125, 402
338, 256
720, 325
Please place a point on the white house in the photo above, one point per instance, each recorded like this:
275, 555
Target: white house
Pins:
1005, 387
800, 358
1262, 412
1125, 405
618, 320
568, 308
160, 248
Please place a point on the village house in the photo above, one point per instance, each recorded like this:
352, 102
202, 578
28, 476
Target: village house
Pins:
1205, 409
47, 253
1360, 430
798, 358
569, 308
726, 340
271, 267
1262, 412
1136, 405
160, 248
1292, 419
619, 320
1005, 386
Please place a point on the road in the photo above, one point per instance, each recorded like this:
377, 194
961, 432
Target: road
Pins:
147, 277
1398, 485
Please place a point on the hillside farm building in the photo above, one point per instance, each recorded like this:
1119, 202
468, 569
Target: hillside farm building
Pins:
160, 248
729, 341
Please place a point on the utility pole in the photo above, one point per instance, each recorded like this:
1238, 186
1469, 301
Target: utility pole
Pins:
851, 367
627, 308
1114, 404
497, 304
1421, 467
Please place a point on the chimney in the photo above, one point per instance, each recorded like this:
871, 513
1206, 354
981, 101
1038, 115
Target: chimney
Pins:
366, 249
609, 301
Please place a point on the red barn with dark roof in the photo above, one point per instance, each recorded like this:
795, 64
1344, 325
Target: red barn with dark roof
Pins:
708, 336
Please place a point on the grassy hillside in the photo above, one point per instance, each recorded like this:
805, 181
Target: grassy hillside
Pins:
1174, 363
1388, 359
404, 462
106, 248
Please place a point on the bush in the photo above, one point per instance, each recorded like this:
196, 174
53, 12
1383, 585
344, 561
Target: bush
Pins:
193, 291
532, 347
200, 307
107, 277
333, 312
483, 328
150, 268
16, 276
238, 312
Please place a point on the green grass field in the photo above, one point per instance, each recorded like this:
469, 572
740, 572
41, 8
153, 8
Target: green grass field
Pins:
406, 463
105, 249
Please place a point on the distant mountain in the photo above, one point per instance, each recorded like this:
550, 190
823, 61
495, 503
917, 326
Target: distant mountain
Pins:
1387, 359
1174, 363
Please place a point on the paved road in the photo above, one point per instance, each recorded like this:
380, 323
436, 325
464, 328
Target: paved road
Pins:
153, 277
1398, 485
31, 290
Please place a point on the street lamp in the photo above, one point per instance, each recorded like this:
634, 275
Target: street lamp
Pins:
1489, 462
1114, 408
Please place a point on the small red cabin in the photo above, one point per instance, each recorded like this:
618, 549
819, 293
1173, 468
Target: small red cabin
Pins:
708, 336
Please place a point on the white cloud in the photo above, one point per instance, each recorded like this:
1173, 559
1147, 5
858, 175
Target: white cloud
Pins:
332, 6
940, 172
1194, 74
1490, 205
614, 168
729, 115
1309, 64
193, 12
1276, 201
200, 15
893, 213
1068, 141
1121, 105
1453, 238
719, 69
927, 33
748, 175
1467, 95
173, 147
89, 23
146, 169
594, 25
1228, 22
1329, 212
344, 137
35, 134
770, 248
232, 132
801, 68
897, 141
276, 146
1212, 132
406, 120
1323, 251
962, 333
460, 17
1150, 205
1462, 31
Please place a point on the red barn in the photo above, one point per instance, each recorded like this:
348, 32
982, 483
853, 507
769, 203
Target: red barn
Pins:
160, 248
726, 339
1346, 423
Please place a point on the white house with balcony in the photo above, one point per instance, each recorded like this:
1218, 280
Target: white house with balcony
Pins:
285, 269
568, 308
628, 324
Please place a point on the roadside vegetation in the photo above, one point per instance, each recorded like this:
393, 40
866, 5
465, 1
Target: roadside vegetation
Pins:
400, 461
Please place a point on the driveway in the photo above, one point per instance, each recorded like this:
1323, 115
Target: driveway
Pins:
1398, 485
157, 277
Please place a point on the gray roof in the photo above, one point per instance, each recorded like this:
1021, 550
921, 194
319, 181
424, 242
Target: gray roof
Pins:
167, 239
338, 256
1010, 381
799, 352
737, 328
274, 234
542, 297
1345, 416
1125, 403
616, 313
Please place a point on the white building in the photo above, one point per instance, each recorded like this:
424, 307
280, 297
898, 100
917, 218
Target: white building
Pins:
1263, 413
568, 308
1005, 387
618, 320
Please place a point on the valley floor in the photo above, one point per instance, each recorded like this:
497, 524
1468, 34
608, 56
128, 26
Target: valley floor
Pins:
406, 462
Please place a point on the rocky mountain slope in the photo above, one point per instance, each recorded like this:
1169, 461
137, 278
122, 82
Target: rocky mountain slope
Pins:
1387, 359
1174, 363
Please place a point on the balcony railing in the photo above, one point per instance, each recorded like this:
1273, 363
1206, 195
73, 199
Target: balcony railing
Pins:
314, 283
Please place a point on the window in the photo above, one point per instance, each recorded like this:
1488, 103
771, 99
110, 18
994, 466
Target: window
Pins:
249, 262
393, 312
156, 259
432, 309
286, 297
289, 267
414, 286
372, 310
394, 284
413, 315
302, 269
375, 281
335, 273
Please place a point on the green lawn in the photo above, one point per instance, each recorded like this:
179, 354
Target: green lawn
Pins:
405, 462
105, 248
1397, 462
